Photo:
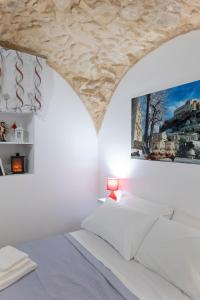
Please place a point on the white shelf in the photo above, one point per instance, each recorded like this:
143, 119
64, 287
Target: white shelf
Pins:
14, 143
12, 174
16, 113
11, 147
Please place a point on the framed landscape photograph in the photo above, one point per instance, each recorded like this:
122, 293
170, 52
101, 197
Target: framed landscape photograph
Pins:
166, 125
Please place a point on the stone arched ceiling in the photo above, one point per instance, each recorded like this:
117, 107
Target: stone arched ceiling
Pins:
92, 43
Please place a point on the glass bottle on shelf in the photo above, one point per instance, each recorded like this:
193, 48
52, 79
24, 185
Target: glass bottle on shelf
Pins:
19, 134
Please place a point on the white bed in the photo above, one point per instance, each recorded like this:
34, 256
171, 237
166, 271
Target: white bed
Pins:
145, 284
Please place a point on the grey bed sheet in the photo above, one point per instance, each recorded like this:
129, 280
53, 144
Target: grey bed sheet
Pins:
66, 271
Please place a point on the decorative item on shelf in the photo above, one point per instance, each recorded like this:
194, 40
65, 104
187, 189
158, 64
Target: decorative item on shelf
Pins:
13, 128
2, 172
19, 134
112, 185
3, 131
17, 164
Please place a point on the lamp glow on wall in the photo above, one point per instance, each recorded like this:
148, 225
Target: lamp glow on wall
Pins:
112, 185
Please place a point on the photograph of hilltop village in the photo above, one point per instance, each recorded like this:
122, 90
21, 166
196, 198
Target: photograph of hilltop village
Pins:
166, 125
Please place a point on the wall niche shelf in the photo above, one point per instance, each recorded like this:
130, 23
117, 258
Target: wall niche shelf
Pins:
14, 143
10, 147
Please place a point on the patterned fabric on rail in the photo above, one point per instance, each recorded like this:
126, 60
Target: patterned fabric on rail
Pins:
20, 81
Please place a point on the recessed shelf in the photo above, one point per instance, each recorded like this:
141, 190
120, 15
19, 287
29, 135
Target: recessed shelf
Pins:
11, 147
16, 112
14, 143
12, 174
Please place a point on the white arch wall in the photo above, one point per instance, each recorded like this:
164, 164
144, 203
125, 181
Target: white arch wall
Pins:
174, 63
63, 188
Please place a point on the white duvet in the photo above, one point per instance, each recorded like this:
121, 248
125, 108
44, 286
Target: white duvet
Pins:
142, 282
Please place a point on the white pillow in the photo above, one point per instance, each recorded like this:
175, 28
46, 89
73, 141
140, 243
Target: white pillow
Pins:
123, 228
187, 219
172, 250
146, 206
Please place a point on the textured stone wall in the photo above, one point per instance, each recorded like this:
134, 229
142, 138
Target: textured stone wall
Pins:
92, 43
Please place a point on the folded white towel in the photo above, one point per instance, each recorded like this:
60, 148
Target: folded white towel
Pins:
10, 256
17, 272
17, 267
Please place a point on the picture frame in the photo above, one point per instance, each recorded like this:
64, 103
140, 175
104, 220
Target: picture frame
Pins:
165, 125
2, 171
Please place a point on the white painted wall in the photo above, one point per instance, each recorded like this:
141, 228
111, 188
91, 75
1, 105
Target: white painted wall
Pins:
63, 188
174, 63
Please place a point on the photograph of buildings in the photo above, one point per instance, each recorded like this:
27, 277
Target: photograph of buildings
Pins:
166, 125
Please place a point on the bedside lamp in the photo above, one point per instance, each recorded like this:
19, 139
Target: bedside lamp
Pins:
112, 185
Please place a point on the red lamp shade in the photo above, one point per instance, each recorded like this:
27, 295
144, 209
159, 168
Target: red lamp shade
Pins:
112, 185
